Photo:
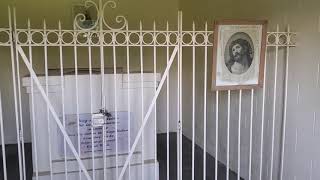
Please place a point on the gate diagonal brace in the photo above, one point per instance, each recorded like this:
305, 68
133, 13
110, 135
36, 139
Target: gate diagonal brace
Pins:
53, 112
146, 117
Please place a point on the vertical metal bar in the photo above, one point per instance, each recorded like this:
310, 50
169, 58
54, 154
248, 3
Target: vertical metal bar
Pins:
274, 103
314, 124
193, 98
228, 136
318, 70
75, 53
239, 134
91, 107
178, 101
262, 114
13, 58
168, 110
251, 124
101, 44
205, 106
178, 104
34, 130
217, 135
267, 173
63, 102
129, 101
20, 132
4, 161
285, 105
47, 92
311, 170
142, 96
298, 92
103, 106
296, 140
104, 145
180, 95
115, 98
155, 106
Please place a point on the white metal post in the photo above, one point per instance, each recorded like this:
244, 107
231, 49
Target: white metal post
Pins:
155, 106
263, 116
91, 108
128, 99
142, 97
104, 146
274, 103
47, 92
75, 54
217, 136
13, 69
34, 130
180, 118
20, 133
3, 144
168, 109
205, 105
101, 48
239, 134
250, 138
63, 102
115, 100
228, 136
284, 125
193, 101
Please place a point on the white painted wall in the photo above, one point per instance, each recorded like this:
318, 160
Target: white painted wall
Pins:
302, 135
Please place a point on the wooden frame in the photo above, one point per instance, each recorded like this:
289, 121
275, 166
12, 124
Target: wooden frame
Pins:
261, 57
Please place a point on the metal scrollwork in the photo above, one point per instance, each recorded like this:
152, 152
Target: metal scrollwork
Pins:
100, 22
5, 37
81, 17
103, 33
281, 39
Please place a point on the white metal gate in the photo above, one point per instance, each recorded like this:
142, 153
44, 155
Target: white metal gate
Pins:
102, 42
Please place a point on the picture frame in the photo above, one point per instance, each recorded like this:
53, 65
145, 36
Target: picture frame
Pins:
239, 49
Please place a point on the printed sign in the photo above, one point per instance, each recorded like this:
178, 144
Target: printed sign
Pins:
91, 137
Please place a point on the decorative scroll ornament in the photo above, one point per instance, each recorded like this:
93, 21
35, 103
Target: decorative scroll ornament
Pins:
100, 22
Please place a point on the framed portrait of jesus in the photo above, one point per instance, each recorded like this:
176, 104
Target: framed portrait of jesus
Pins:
238, 54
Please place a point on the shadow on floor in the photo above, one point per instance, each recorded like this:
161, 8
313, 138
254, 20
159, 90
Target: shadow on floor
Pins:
187, 160
13, 161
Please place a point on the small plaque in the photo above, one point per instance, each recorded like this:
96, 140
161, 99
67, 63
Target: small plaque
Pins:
98, 120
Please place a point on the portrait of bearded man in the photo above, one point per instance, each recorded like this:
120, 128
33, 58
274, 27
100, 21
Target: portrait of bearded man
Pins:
239, 48
240, 53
